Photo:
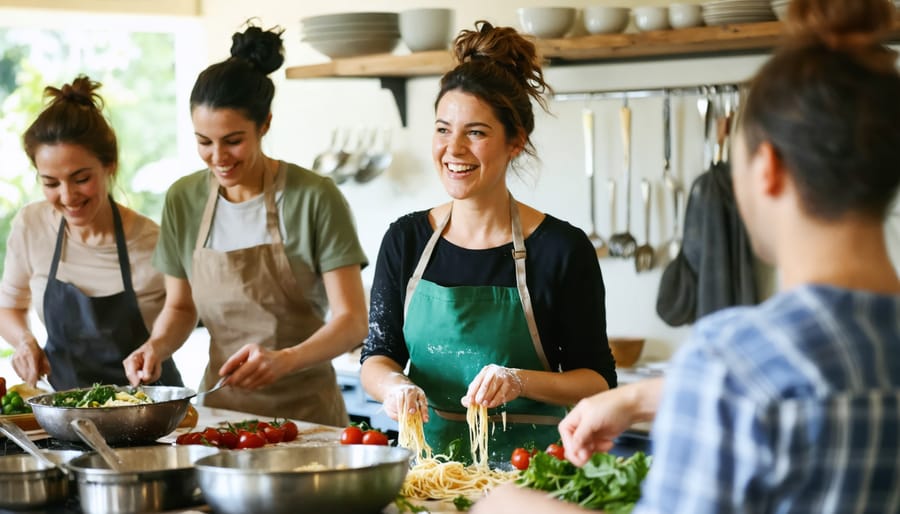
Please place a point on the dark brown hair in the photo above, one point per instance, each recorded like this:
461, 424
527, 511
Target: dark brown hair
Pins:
242, 81
829, 103
503, 69
73, 116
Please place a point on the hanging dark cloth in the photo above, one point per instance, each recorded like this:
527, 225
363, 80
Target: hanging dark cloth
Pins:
714, 269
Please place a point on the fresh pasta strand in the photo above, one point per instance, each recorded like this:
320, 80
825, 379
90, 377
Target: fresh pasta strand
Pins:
434, 479
412, 433
477, 419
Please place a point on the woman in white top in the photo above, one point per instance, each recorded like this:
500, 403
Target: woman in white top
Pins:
81, 256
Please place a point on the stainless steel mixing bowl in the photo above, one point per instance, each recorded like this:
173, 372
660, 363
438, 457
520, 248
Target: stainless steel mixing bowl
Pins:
28, 484
154, 478
126, 424
355, 479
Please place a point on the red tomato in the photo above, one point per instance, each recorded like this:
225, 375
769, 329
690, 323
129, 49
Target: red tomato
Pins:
273, 434
374, 437
557, 451
2, 387
262, 426
352, 435
520, 458
190, 438
228, 439
212, 436
250, 440
290, 431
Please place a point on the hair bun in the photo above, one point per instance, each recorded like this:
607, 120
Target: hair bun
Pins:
82, 91
841, 25
263, 48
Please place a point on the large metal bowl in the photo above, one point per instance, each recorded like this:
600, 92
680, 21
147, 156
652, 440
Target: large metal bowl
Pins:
118, 425
153, 479
28, 484
356, 479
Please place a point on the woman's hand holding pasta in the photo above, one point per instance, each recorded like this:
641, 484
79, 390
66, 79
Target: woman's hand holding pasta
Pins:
405, 396
30, 362
493, 386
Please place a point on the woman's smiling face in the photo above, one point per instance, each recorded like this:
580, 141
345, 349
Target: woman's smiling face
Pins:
229, 143
470, 147
74, 181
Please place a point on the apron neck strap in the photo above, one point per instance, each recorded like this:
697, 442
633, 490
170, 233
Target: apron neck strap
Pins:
121, 247
269, 189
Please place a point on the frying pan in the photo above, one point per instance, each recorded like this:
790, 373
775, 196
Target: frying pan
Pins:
118, 425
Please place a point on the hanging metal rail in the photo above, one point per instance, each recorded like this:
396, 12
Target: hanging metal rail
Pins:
628, 94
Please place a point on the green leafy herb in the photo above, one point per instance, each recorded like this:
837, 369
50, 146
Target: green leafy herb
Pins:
454, 452
462, 503
607, 483
404, 505
93, 397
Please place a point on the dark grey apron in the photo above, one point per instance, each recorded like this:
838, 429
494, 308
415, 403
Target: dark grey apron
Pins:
88, 338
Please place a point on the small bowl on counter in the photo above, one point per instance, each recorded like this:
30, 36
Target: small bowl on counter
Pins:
26, 484
605, 19
648, 18
626, 350
547, 22
345, 479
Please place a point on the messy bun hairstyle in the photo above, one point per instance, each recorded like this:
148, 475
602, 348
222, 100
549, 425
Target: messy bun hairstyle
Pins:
503, 69
242, 81
73, 116
829, 103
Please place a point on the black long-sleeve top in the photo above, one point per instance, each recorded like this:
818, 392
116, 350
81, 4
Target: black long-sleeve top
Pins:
563, 277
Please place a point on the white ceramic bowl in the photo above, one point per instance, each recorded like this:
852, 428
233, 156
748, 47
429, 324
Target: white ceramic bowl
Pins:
649, 18
605, 20
546, 22
349, 17
426, 29
682, 16
337, 48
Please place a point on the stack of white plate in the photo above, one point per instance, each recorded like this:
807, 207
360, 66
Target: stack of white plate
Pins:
351, 34
720, 12
780, 7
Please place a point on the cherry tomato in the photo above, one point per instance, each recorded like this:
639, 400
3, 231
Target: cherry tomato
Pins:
190, 438
352, 435
250, 440
557, 451
212, 436
520, 458
2, 387
273, 434
374, 437
228, 439
262, 426
290, 431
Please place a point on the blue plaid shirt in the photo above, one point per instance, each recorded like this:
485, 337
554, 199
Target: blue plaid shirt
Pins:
789, 407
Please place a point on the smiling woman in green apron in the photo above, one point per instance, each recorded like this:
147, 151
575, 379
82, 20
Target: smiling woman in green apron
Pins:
488, 300
260, 249
84, 255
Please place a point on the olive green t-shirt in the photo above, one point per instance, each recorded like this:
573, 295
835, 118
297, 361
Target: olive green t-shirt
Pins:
320, 232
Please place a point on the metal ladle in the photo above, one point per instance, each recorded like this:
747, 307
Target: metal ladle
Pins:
16, 435
329, 161
587, 119
623, 244
378, 160
644, 254
87, 431
671, 181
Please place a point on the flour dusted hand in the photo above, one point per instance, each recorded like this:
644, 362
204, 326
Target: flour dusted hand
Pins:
493, 386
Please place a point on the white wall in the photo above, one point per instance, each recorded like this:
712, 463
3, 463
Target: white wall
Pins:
306, 111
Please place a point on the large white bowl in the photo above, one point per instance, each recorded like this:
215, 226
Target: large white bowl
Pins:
647, 18
340, 34
605, 20
338, 48
682, 16
361, 27
426, 28
546, 22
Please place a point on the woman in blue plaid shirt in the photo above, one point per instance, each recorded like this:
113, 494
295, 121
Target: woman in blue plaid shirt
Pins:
792, 406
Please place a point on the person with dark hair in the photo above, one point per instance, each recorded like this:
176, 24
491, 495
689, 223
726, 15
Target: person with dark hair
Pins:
259, 249
792, 405
85, 256
500, 306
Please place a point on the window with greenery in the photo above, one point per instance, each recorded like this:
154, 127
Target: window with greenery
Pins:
137, 70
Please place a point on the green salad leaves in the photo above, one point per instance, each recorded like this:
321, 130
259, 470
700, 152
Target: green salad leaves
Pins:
93, 397
606, 482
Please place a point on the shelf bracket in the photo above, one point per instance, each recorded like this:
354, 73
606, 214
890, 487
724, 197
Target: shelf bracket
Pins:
397, 87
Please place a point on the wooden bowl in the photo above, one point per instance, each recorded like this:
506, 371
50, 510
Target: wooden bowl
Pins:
626, 350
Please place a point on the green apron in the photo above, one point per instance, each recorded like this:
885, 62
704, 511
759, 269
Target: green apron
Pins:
453, 332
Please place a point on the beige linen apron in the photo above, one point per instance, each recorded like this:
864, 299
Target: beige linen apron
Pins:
252, 296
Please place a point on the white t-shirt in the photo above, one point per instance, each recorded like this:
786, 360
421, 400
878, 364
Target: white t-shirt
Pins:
242, 225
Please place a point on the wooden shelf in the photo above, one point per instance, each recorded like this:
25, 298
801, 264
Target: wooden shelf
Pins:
393, 70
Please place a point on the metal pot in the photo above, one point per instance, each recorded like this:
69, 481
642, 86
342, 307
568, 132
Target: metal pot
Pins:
28, 484
354, 479
155, 478
126, 424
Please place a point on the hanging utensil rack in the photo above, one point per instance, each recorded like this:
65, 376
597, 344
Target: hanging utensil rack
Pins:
631, 94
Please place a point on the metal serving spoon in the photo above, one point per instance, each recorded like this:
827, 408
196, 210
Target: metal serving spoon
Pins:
18, 436
87, 431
